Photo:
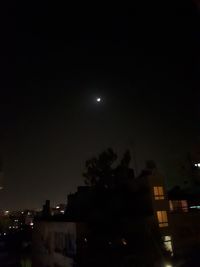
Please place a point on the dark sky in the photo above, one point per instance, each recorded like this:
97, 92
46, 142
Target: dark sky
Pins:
144, 63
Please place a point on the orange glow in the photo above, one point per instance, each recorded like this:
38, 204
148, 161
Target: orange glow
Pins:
162, 218
158, 192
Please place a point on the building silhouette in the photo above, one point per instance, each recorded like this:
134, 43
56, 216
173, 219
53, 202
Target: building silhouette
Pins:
140, 223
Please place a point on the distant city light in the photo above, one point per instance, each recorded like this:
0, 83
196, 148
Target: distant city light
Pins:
31, 224
194, 207
62, 211
197, 165
4, 234
7, 212
124, 242
85, 239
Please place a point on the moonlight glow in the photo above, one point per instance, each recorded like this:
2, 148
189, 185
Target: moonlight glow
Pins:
98, 99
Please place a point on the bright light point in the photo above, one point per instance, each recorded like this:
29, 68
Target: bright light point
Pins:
124, 242
98, 99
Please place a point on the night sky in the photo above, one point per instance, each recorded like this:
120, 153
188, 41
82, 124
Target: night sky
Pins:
55, 60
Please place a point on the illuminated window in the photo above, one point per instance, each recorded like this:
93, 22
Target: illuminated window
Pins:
168, 243
178, 205
162, 218
158, 192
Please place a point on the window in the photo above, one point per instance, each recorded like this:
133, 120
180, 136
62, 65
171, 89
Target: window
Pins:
178, 205
158, 192
168, 244
162, 218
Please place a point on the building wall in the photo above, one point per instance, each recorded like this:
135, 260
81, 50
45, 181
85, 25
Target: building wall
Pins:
183, 225
1, 180
180, 232
54, 244
160, 208
159, 202
185, 228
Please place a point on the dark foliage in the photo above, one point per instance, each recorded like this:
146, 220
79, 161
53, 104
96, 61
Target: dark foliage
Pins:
102, 171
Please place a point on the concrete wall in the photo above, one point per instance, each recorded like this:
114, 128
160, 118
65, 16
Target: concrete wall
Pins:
44, 251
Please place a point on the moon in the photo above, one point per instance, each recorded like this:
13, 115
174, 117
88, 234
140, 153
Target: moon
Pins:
98, 99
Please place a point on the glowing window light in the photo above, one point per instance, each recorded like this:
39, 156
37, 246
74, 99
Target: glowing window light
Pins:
178, 205
162, 218
158, 192
168, 243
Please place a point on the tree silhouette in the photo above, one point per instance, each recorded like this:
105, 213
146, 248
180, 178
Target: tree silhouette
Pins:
103, 170
118, 209
99, 169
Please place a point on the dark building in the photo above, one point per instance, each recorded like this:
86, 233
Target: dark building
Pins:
134, 223
119, 226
